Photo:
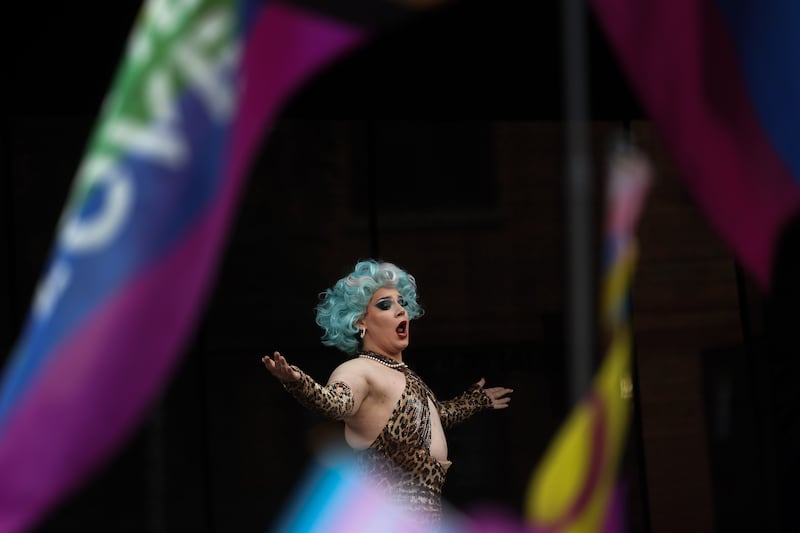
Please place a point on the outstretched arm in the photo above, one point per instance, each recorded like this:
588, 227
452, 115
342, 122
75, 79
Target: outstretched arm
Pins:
474, 400
336, 400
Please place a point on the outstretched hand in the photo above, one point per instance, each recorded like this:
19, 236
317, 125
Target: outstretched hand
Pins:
279, 368
498, 395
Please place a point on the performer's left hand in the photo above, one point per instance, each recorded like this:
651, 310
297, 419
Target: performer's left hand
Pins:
499, 395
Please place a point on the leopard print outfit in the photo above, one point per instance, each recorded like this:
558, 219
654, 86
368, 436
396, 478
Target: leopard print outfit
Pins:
399, 458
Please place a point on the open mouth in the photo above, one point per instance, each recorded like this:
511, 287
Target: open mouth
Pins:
402, 329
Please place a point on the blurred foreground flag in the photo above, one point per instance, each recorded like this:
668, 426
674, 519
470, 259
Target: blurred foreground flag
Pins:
140, 236
721, 81
337, 497
574, 489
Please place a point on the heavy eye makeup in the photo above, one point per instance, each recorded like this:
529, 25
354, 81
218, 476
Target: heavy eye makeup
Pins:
384, 304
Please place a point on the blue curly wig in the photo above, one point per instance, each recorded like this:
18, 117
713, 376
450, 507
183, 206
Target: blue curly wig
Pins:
344, 304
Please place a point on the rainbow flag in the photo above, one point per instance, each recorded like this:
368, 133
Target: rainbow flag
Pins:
720, 80
574, 488
140, 236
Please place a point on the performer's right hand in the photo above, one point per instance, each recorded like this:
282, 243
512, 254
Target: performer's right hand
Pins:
279, 368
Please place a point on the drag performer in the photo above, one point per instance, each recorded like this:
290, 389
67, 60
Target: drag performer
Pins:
391, 418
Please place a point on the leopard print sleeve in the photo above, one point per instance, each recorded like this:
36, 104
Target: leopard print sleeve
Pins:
472, 401
333, 401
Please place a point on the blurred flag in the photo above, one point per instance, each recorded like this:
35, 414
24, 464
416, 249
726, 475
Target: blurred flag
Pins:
574, 488
337, 497
721, 79
140, 236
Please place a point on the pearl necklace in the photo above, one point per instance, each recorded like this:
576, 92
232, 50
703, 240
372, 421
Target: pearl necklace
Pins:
381, 359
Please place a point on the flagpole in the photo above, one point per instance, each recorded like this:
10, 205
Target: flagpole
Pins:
578, 200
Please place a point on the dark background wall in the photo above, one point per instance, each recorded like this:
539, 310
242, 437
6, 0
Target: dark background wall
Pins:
440, 148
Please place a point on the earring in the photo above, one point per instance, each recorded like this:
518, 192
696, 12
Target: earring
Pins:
362, 332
